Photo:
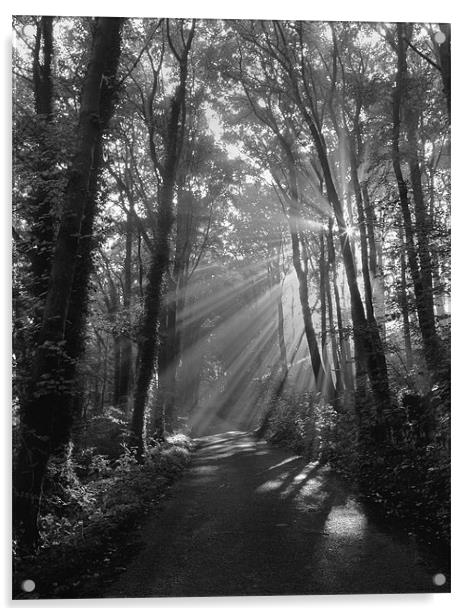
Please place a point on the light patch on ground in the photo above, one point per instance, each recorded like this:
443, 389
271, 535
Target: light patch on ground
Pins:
301, 480
347, 520
272, 484
286, 461
206, 470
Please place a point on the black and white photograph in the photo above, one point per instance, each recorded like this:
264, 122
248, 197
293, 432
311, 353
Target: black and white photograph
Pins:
231, 306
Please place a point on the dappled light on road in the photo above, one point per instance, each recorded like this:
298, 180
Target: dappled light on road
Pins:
204, 470
286, 461
304, 481
272, 484
278, 524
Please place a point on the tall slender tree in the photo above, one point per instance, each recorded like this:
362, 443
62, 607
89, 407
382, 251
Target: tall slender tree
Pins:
420, 270
161, 252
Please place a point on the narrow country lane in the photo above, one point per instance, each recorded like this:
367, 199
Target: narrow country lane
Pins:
249, 519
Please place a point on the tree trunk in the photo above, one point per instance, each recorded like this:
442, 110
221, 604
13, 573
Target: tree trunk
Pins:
125, 366
403, 301
370, 312
44, 219
170, 334
78, 306
444, 55
167, 357
375, 261
343, 351
160, 257
366, 342
334, 347
191, 365
300, 270
114, 306
43, 414
323, 307
280, 312
424, 303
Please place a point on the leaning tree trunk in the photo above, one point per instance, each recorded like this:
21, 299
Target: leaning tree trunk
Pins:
368, 296
365, 341
301, 271
42, 413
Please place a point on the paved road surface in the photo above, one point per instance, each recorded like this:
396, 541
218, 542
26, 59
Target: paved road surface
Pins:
249, 519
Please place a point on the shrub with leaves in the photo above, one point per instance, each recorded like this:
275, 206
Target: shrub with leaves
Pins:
303, 424
408, 477
80, 518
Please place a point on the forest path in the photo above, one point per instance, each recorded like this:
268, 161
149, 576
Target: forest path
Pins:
249, 519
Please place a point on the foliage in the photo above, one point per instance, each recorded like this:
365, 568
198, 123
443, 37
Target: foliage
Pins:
82, 520
407, 476
304, 424
105, 434
411, 484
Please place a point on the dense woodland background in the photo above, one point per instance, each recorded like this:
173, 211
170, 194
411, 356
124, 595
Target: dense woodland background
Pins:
228, 225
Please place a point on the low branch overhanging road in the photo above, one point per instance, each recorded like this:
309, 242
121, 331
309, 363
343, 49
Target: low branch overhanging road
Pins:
249, 519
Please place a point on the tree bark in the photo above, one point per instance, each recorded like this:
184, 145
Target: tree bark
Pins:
125, 372
280, 311
339, 387
297, 72
77, 313
366, 343
423, 295
42, 414
170, 335
323, 308
403, 301
343, 351
161, 255
301, 272
444, 55
44, 217
375, 261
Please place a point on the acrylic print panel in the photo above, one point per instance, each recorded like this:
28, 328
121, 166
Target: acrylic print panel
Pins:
231, 307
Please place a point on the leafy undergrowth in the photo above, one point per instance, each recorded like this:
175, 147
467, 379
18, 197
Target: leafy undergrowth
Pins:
411, 484
303, 425
407, 481
87, 523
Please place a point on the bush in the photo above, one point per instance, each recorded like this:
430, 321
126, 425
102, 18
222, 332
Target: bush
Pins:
78, 519
105, 434
303, 424
412, 484
409, 477
63, 493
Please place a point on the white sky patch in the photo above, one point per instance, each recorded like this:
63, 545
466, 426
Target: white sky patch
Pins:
215, 125
213, 122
